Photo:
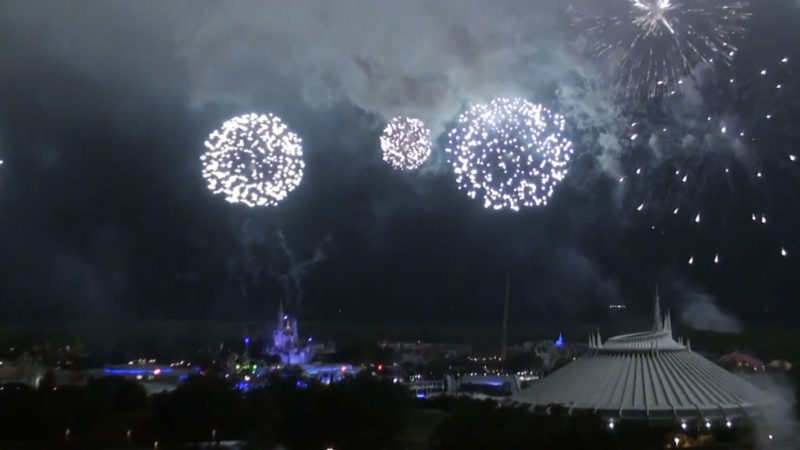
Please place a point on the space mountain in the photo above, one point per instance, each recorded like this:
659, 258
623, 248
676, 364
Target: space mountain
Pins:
646, 376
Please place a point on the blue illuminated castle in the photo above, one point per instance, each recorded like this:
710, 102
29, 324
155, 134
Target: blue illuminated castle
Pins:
286, 342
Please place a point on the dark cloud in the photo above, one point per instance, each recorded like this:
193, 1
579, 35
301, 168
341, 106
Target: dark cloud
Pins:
105, 108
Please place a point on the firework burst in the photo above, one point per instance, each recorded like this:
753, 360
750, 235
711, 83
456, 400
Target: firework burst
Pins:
406, 143
253, 159
654, 44
510, 153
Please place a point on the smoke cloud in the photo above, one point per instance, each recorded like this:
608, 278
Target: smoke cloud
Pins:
701, 312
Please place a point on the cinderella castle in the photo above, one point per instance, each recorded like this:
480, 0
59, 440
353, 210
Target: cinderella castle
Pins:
286, 342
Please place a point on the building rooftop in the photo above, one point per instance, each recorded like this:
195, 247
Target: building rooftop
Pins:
647, 375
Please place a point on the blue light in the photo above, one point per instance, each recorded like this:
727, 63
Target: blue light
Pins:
247, 340
560, 341
301, 384
421, 394
243, 386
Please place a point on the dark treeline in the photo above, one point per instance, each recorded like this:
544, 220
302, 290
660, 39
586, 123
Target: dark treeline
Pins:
359, 413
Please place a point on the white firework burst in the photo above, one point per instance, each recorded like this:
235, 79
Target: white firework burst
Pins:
511, 153
659, 42
253, 159
406, 143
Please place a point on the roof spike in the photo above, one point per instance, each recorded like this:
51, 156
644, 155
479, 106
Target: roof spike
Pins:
599, 339
668, 322
657, 324
689, 344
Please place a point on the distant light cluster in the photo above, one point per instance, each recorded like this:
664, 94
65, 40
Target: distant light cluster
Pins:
511, 153
253, 159
406, 143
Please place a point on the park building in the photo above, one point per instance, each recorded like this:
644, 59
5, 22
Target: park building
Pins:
646, 376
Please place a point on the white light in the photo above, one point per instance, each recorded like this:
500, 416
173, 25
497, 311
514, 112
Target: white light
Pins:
763, 71
728, 423
792, 158
697, 218
677, 441
683, 425
708, 425
784, 253
406, 143
640, 207
691, 260
716, 258
785, 60
723, 130
610, 424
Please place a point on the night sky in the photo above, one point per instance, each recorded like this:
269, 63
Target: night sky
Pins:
104, 108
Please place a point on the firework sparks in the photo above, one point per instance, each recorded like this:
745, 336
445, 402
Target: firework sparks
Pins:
253, 159
719, 156
659, 42
510, 153
406, 143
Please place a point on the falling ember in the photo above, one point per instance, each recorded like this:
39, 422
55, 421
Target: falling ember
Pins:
697, 218
638, 171
685, 177
716, 258
640, 207
675, 211
691, 260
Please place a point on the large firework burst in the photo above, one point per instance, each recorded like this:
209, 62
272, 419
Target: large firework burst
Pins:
510, 153
253, 159
406, 143
655, 43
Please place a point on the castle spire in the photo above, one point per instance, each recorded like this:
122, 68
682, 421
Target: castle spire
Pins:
657, 324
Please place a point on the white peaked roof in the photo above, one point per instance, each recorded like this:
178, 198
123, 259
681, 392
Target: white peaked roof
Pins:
648, 376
